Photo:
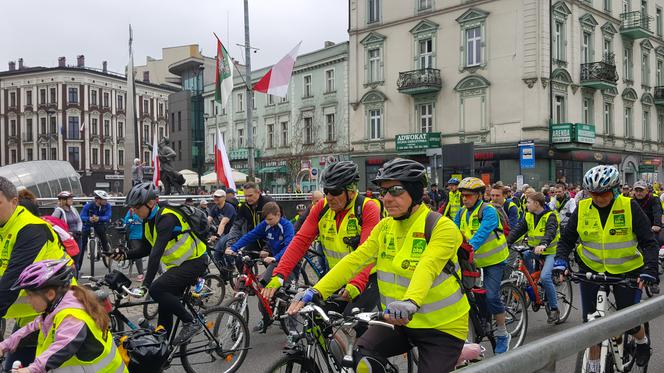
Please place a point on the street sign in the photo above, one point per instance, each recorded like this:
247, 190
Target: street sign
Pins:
561, 133
314, 171
417, 141
527, 154
647, 168
114, 177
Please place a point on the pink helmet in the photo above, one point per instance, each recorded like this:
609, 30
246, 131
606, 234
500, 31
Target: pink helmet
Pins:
56, 273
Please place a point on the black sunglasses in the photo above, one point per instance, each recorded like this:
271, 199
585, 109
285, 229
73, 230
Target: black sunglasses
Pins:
333, 191
394, 190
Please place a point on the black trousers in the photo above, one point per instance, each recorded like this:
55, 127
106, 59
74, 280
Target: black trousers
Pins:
100, 231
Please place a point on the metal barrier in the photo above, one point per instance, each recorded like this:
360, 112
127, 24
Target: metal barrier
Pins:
541, 355
176, 198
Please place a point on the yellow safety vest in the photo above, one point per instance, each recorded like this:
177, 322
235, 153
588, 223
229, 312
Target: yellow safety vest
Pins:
332, 239
453, 204
52, 250
612, 248
494, 249
183, 247
109, 361
536, 233
444, 303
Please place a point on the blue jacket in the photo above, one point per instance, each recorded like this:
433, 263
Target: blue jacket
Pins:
135, 225
488, 224
278, 237
512, 213
90, 208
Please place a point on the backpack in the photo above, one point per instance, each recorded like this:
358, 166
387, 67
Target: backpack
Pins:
195, 217
66, 239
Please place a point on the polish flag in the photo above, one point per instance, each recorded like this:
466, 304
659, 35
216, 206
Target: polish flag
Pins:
222, 166
155, 160
275, 82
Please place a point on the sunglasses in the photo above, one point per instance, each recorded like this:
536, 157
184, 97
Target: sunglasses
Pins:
600, 194
333, 192
394, 190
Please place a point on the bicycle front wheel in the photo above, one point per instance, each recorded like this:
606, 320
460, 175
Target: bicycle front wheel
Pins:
293, 364
516, 313
221, 346
565, 296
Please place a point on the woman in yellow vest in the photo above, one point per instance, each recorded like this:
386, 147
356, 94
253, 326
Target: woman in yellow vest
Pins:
541, 226
424, 302
74, 333
615, 239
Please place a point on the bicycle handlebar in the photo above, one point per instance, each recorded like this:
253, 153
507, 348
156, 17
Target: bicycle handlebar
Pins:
521, 248
603, 279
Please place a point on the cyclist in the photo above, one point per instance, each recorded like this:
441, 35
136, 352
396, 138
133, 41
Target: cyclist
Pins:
134, 224
563, 204
301, 213
541, 227
167, 238
222, 215
484, 232
24, 239
499, 200
95, 215
453, 198
615, 238
425, 303
68, 213
74, 332
336, 223
248, 215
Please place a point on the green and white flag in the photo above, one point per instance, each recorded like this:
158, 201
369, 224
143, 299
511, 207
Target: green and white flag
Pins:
224, 78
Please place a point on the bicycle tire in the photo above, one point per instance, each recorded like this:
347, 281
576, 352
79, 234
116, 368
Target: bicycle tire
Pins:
236, 305
92, 245
239, 338
150, 311
116, 325
564, 315
515, 309
213, 284
293, 363
309, 274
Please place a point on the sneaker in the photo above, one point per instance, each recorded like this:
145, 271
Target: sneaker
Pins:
642, 355
188, 331
502, 344
554, 317
259, 327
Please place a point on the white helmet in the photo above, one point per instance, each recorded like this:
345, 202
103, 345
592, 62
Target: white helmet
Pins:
601, 179
100, 194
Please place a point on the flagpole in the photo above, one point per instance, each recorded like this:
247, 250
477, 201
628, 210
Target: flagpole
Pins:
250, 95
131, 137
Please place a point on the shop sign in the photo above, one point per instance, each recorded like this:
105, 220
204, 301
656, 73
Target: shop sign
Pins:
584, 133
561, 133
242, 153
417, 141
564, 133
647, 168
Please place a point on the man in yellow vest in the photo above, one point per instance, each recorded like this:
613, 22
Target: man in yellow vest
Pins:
416, 278
615, 239
167, 238
453, 198
24, 239
481, 228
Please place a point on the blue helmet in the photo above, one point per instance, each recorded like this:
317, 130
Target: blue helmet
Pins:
454, 181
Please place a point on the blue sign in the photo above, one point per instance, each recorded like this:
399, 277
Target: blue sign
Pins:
314, 171
527, 154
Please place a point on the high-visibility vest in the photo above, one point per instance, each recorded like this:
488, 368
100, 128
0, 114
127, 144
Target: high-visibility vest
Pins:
331, 238
453, 204
536, 233
109, 361
52, 250
494, 249
444, 303
612, 248
182, 247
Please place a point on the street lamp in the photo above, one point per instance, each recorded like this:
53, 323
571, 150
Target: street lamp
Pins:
198, 140
51, 113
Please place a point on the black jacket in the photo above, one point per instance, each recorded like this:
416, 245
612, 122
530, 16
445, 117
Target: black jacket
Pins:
521, 228
247, 218
653, 209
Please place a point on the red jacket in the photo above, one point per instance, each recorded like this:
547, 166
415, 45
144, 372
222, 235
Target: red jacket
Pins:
309, 231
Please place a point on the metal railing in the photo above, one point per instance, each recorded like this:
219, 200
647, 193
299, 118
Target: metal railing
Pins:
599, 71
635, 19
419, 78
119, 201
541, 355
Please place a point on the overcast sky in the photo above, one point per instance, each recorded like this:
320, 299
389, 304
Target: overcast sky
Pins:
40, 31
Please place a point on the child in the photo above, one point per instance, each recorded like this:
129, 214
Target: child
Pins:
73, 326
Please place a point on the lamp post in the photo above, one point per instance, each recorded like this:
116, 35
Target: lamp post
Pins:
198, 140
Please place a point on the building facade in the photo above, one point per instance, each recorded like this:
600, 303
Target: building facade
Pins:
77, 114
294, 137
157, 70
580, 80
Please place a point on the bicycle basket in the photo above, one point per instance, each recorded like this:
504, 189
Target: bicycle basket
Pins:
116, 280
144, 350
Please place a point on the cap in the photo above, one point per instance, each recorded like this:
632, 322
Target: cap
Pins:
640, 185
204, 201
219, 193
230, 190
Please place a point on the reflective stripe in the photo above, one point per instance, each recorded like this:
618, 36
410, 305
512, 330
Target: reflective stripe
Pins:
334, 254
405, 282
490, 252
612, 261
610, 245
431, 307
177, 245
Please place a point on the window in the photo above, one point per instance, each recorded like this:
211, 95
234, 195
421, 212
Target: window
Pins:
374, 65
172, 122
607, 52
179, 150
95, 156
73, 155
425, 53
308, 131
179, 121
53, 96
146, 134
607, 6
240, 137
146, 106
120, 157
42, 125
253, 101
307, 86
28, 129
93, 97
284, 134
13, 155
586, 48
94, 127
558, 42
425, 112
329, 81
42, 96
12, 127
270, 100
73, 128
628, 122
120, 102
627, 64
107, 157
43, 154
660, 72
560, 109
270, 135
587, 112
120, 129
73, 96
373, 11
240, 102
30, 154
28, 98
329, 124
626, 6
161, 132
107, 128
12, 99
423, 4
147, 158
284, 99
646, 125
375, 117
473, 46
658, 21
645, 69
161, 109
660, 127
107, 99
54, 125
54, 153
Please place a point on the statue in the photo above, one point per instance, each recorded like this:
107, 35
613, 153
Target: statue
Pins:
169, 176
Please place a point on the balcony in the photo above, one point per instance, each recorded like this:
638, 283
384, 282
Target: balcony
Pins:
598, 75
93, 107
419, 81
659, 95
635, 25
27, 107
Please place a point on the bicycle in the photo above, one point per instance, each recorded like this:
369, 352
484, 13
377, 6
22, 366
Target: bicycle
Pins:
94, 255
313, 265
529, 284
617, 354
219, 353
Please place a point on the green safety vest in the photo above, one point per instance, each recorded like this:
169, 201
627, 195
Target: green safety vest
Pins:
453, 204
536, 233
182, 247
494, 249
332, 239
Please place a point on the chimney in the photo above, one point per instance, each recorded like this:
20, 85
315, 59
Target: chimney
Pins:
329, 44
12, 65
80, 61
20, 63
62, 62
104, 67
146, 76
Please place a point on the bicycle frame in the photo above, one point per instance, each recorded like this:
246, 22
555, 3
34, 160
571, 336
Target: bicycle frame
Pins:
532, 278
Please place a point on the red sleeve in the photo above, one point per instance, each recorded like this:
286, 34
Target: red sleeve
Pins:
300, 243
370, 218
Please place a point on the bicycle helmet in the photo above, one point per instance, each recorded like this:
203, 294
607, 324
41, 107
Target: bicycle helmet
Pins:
65, 194
301, 207
340, 175
100, 194
453, 181
45, 273
601, 179
141, 194
404, 170
472, 184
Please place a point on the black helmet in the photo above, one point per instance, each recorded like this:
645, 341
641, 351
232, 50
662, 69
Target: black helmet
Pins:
340, 175
404, 170
140, 194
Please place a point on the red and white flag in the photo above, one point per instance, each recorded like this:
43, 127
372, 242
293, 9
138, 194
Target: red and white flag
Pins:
222, 166
155, 160
275, 81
